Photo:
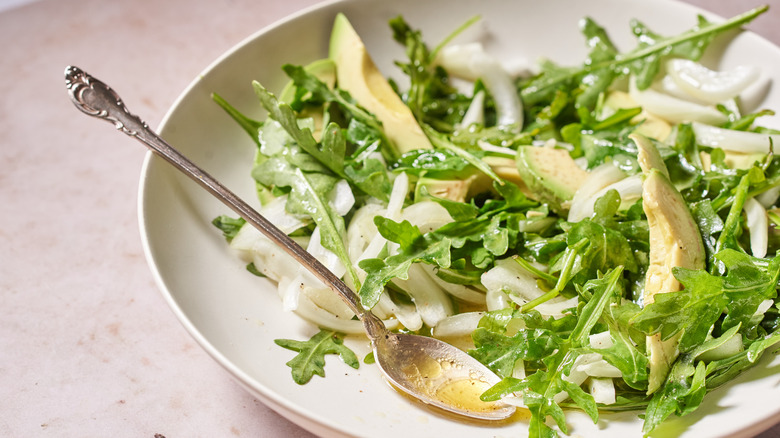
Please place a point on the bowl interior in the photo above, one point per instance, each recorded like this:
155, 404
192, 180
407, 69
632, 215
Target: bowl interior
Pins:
235, 316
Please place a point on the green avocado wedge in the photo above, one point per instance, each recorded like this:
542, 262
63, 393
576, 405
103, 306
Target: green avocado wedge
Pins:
675, 241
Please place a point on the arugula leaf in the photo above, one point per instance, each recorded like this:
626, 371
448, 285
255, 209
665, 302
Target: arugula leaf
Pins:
458, 210
604, 64
539, 389
681, 394
624, 354
310, 360
607, 247
249, 125
479, 240
366, 174
320, 91
750, 281
441, 141
254, 129
435, 163
500, 352
430, 96
415, 248
693, 311
309, 196
685, 385
228, 225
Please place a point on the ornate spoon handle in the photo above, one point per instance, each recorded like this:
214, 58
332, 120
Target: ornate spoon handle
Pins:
97, 99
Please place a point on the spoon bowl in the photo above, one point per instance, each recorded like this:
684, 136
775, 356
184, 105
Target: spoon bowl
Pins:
439, 374
430, 370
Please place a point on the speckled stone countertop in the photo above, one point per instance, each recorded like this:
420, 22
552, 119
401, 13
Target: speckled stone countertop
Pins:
88, 347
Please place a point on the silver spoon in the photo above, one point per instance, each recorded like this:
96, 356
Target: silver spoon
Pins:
428, 369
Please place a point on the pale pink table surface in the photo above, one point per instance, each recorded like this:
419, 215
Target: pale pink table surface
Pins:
88, 347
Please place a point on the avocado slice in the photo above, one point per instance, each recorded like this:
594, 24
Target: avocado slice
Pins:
674, 241
357, 74
550, 174
461, 190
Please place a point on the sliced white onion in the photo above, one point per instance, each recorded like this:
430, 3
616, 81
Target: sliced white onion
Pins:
397, 196
289, 292
341, 198
460, 291
600, 340
518, 372
325, 256
426, 215
431, 302
575, 376
508, 281
629, 189
600, 177
322, 318
270, 260
475, 114
462, 324
763, 307
274, 210
361, 230
406, 314
731, 140
672, 109
470, 61
600, 368
709, 85
602, 390
507, 275
496, 299
758, 226
753, 97
769, 197
556, 307
667, 85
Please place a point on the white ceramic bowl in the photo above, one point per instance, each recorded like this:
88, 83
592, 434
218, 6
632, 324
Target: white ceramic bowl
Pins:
236, 316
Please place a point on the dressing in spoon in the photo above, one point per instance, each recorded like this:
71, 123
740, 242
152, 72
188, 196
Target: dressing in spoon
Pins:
428, 369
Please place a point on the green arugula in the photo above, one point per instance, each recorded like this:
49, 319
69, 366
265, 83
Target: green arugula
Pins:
228, 225
309, 188
604, 63
539, 389
367, 175
478, 240
693, 311
310, 360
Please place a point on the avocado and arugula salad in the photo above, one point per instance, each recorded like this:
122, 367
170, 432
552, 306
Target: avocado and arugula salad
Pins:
604, 236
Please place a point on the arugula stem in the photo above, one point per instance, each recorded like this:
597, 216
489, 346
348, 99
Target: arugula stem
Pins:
726, 238
661, 47
532, 269
452, 35
571, 255
440, 141
651, 50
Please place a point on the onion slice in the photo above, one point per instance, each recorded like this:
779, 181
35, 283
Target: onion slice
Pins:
600, 177
758, 226
673, 109
735, 141
709, 85
471, 62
